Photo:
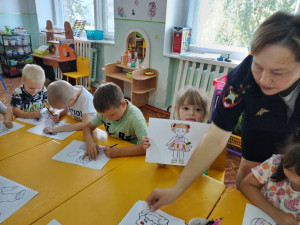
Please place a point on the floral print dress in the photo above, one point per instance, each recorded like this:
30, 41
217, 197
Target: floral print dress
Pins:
280, 194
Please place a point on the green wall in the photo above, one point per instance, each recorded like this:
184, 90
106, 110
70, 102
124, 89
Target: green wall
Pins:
26, 20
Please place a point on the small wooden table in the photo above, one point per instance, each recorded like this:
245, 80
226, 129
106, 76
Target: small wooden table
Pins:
109, 199
65, 65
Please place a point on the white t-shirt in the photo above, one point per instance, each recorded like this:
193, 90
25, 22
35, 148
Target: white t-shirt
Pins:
84, 105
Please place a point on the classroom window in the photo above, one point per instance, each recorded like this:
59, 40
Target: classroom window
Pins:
229, 24
99, 14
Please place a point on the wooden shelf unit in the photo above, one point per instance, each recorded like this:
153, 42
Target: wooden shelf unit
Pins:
141, 85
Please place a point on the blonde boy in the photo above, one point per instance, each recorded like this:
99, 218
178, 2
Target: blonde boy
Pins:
28, 99
75, 100
121, 119
8, 117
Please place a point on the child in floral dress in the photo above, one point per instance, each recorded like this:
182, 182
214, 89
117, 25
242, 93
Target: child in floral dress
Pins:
274, 186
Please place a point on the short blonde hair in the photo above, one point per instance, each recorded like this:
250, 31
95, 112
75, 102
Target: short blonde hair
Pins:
59, 92
194, 97
33, 73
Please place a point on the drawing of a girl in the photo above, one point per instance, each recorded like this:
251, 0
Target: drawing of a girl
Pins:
179, 143
146, 217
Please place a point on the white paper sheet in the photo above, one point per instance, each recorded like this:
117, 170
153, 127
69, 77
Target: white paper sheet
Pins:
38, 129
4, 130
173, 147
254, 215
53, 222
73, 154
141, 214
12, 197
45, 117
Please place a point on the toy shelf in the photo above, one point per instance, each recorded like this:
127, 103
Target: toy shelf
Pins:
141, 85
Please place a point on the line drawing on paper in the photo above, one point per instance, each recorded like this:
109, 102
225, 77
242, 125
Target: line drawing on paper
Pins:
179, 144
7, 194
260, 221
3, 129
79, 152
146, 217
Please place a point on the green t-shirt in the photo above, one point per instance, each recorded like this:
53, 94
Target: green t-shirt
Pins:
131, 127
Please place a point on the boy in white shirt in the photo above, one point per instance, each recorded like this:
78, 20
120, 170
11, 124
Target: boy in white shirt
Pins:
75, 100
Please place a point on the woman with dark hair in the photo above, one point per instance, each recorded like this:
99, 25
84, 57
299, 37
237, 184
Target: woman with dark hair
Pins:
265, 89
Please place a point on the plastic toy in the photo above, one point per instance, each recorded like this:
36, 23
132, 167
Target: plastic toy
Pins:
149, 73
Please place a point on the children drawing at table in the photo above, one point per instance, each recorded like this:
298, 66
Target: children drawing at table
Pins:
75, 100
28, 99
8, 117
191, 105
274, 186
121, 119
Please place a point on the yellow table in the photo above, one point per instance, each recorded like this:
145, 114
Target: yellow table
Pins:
21, 140
231, 206
110, 198
55, 181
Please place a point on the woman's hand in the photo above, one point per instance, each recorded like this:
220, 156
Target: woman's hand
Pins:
160, 197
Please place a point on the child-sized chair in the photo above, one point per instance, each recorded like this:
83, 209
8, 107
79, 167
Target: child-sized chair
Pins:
3, 84
83, 71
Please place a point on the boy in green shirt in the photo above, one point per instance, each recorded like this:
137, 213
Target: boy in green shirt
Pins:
121, 119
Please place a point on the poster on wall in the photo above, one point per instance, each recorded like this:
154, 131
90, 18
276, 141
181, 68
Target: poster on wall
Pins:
150, 10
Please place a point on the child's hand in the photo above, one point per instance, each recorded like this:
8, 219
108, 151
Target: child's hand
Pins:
146, 143
50, 130
92, 151
111, 152
8, 120
55, 117
37, 114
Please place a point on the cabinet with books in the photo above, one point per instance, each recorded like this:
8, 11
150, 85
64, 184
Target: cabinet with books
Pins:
15, 53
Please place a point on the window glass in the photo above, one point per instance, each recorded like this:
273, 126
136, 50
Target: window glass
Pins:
230, 22
80, 10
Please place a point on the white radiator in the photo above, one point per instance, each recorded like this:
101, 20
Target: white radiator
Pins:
199, 73
82, 48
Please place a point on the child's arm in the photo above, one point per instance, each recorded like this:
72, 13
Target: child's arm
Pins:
92, 149
8, 118
70, 127
250, 187
29, 115
126, 151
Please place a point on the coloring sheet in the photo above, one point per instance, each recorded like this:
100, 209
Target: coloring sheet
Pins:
12, 197
254, 215
141, 214
173, 141
4, 130
45, 117
73, 153
60, 136
53, 222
